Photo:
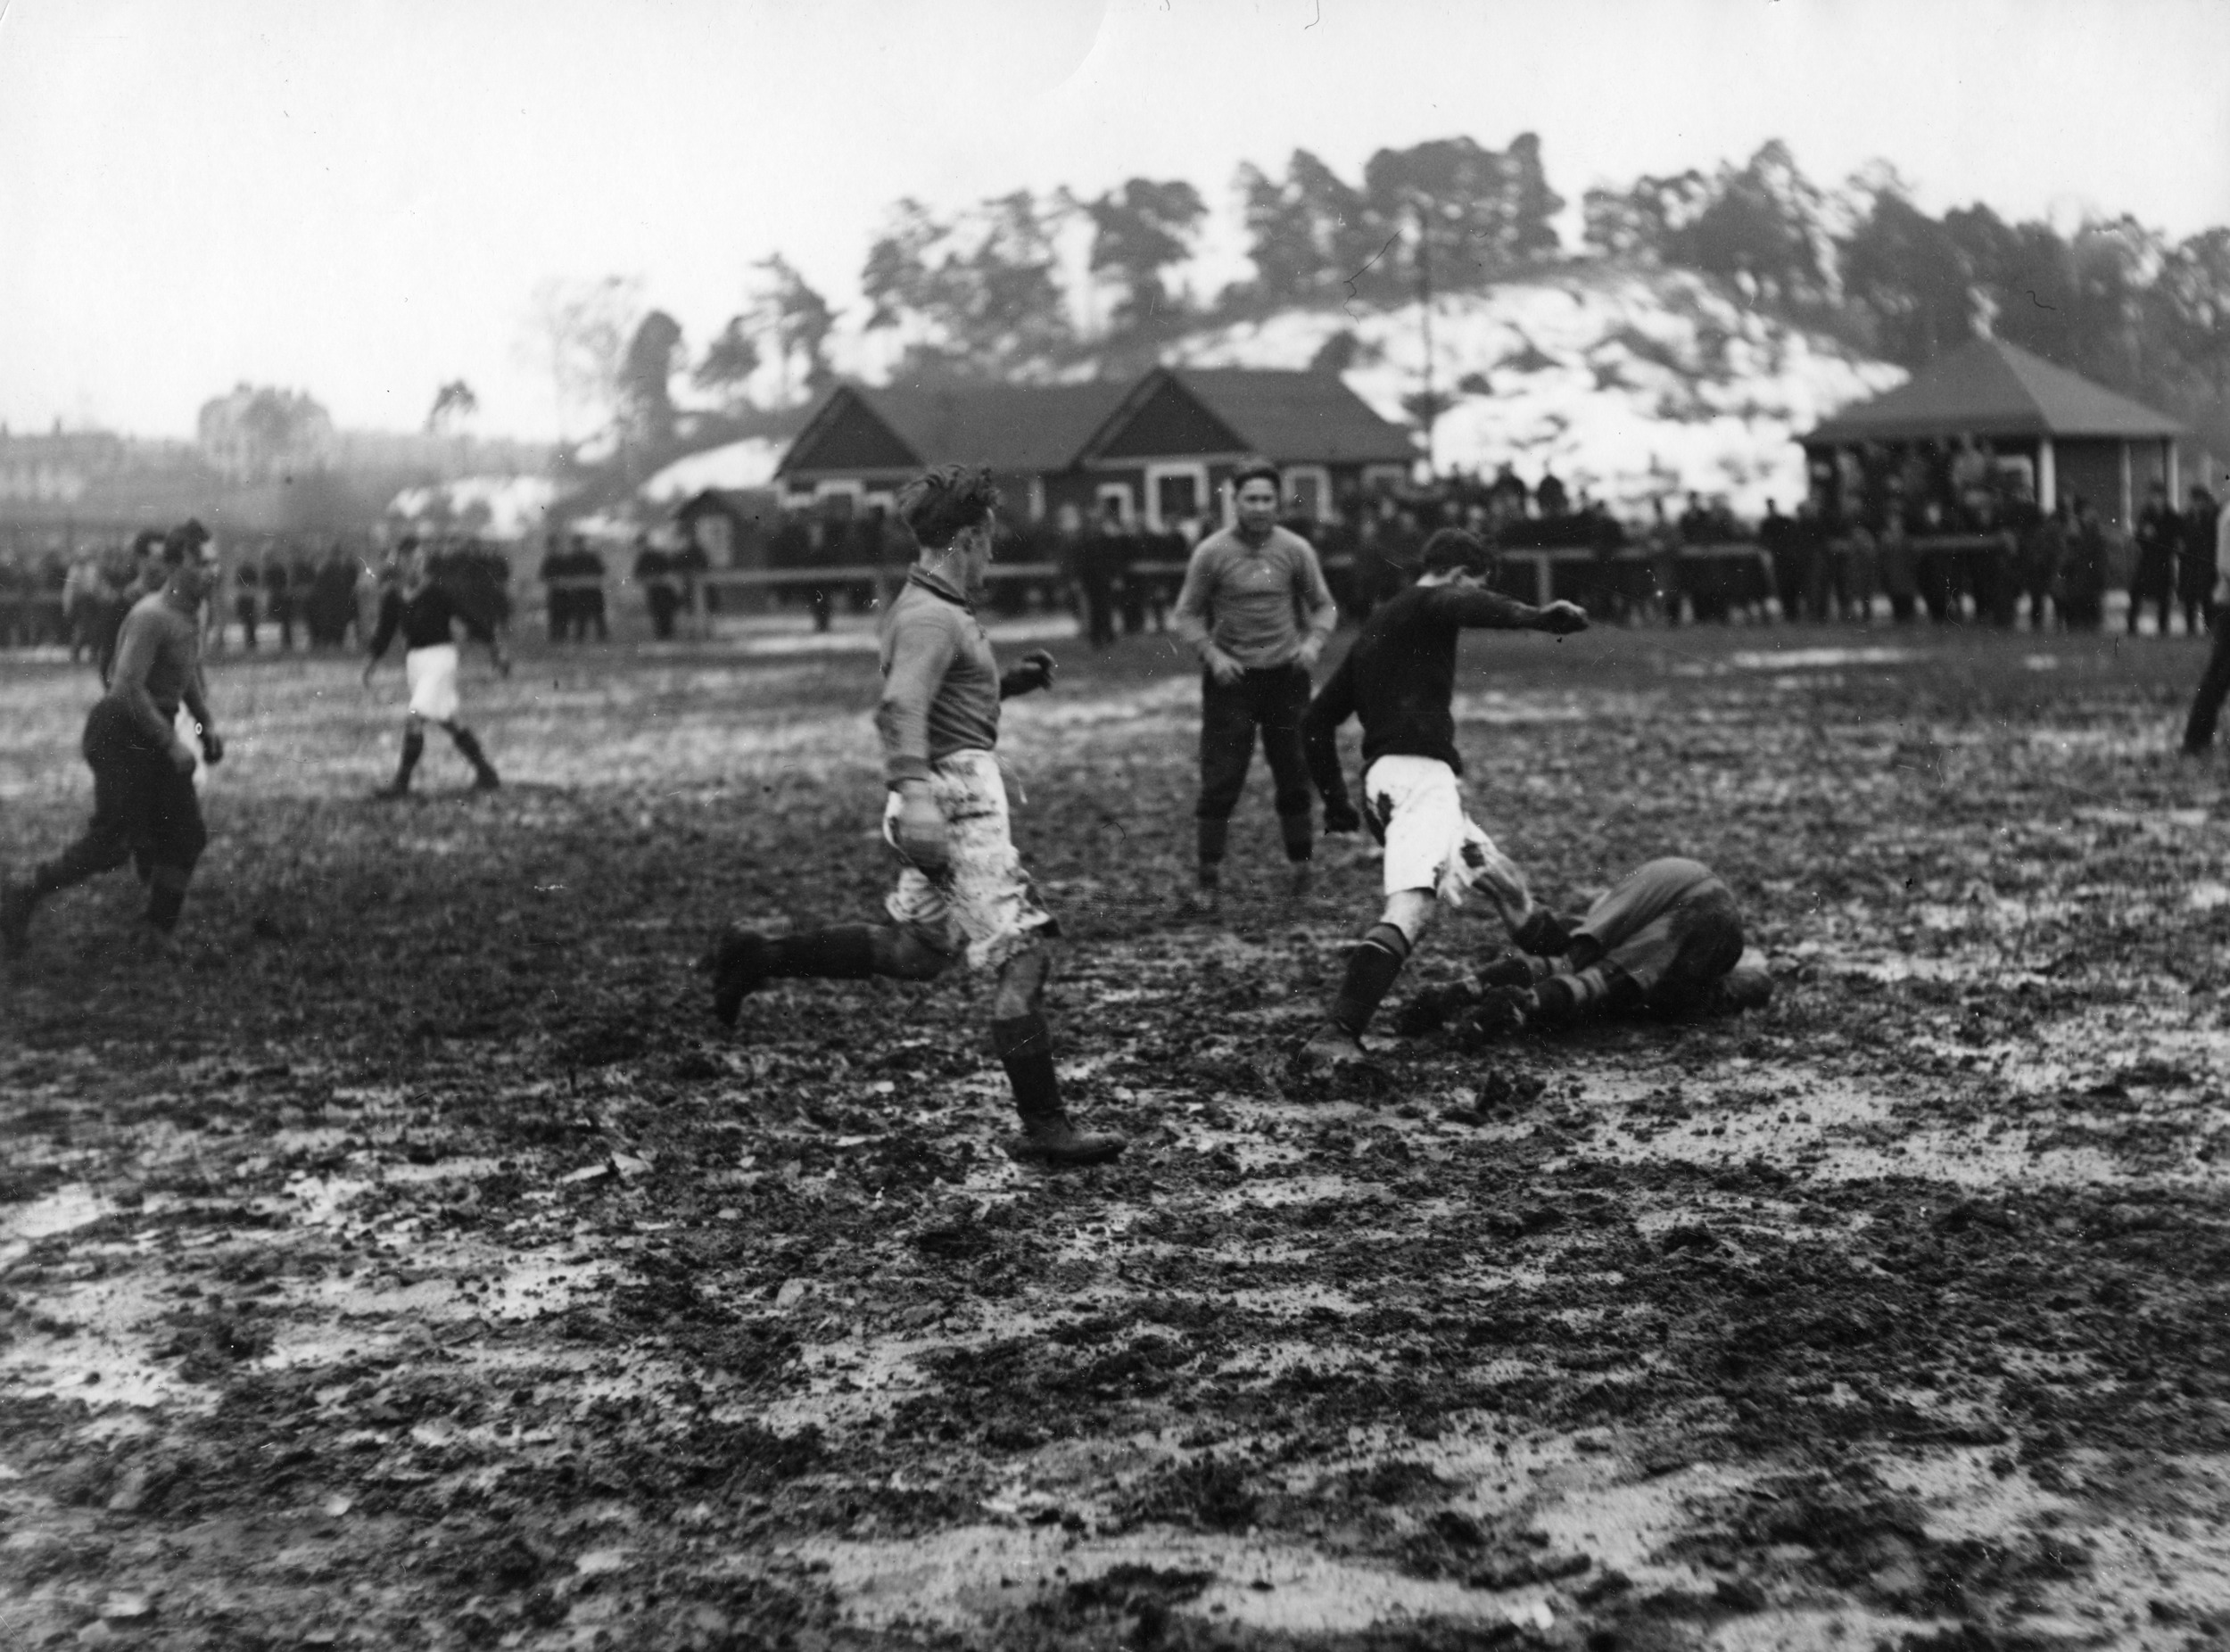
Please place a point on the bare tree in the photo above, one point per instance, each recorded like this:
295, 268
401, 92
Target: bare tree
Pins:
453, 404
579, 333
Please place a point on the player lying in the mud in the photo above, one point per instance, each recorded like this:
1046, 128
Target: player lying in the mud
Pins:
1665, 942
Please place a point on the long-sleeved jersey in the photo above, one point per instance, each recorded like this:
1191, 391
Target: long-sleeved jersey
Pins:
940, 681
1399, 678
425, 620
1258, 603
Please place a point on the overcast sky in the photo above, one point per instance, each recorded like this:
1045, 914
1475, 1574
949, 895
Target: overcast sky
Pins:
357, 197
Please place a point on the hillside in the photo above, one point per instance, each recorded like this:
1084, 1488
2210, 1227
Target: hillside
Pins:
1631, 382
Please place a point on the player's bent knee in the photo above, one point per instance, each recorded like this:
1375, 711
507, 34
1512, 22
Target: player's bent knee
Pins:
911, 958
1410, 911
1022, 980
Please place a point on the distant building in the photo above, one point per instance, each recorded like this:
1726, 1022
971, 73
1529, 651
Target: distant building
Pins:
730, 526
2061, 433
1155, 452
862, 443
255, 434
57, 469
1164, 456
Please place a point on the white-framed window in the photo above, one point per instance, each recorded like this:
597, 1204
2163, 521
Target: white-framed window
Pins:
1176, 494
1308, 489
1383, 478
1111, 502
883, 499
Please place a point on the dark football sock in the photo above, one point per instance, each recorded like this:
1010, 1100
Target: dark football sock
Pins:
844, 952
1212, 835
1371, 969
1591, 992
469, 744
1299, 832
413, 748
163, 907
1025, 1047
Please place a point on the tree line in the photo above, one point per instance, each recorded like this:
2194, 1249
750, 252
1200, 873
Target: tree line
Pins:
1024, 284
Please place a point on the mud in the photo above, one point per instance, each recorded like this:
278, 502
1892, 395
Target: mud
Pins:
407, 1261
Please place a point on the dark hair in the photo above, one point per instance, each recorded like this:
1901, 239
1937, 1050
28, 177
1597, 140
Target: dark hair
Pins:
1453, 550
946, 500
147, 541
1257, 470
183, 541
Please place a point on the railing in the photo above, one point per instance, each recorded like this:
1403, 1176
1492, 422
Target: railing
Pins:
885, 576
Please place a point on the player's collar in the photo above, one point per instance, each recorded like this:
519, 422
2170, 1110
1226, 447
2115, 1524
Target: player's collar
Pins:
938, 585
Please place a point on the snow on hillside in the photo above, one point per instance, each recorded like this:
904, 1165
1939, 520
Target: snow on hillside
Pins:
746, 463
1629, 382
503, 507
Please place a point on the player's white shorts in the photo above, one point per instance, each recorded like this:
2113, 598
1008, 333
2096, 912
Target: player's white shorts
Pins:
1417, 811
432, 674
982, 903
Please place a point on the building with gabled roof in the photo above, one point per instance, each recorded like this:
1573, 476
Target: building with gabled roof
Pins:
2071, 435
1165, 453
863, 441
1157, 451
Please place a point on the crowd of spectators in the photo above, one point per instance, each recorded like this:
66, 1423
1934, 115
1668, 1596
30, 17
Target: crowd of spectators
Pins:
279, 593
1945, 533
1934, 543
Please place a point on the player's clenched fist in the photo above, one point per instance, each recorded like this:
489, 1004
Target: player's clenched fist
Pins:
1033, 671
1561, 619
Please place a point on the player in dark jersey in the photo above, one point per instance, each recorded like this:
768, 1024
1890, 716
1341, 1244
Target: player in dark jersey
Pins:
1399, 678
144, 808
426, 616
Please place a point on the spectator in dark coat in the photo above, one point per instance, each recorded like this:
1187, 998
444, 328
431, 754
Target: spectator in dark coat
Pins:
559, 599
2044, 552
2083, 575
1777, 539
2153, 578
279, 601
2195, 561
653, 573
246, 604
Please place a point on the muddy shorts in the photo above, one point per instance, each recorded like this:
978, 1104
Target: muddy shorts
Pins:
144, 809
432, 674
1672, 926
1414, 806
982, 904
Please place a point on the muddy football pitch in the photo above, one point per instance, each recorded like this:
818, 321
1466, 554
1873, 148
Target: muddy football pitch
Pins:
408, 1260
